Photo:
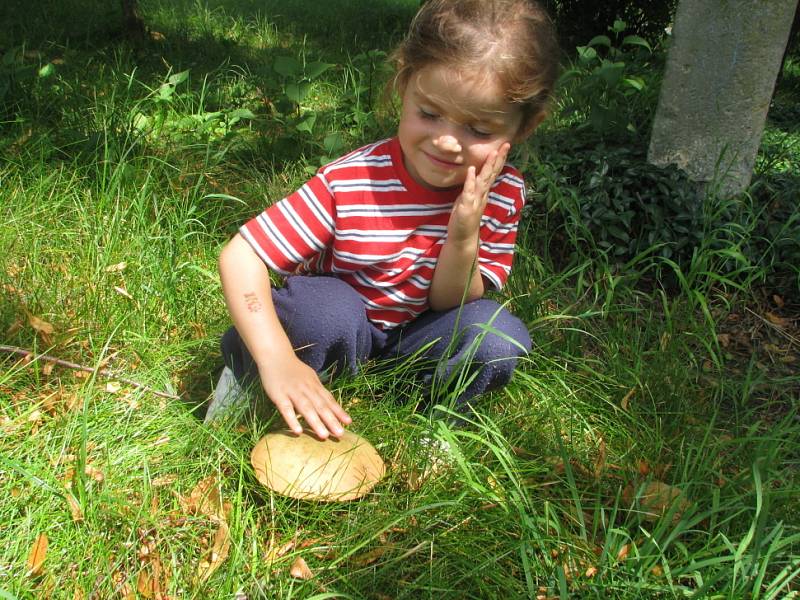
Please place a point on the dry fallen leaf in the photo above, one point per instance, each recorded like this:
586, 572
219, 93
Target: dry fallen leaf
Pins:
37, 555
776, 320
300, 570
274, 553
74, 507
622, 554
40, 325
122, 292
591, 572
657, 498
369, 557
600, 461
204, 499
626, 399
94, 473
117, 267
217, 554
112, 387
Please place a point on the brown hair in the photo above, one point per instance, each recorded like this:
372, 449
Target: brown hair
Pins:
514, 40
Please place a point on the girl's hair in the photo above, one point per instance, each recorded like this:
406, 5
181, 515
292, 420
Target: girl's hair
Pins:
514, 40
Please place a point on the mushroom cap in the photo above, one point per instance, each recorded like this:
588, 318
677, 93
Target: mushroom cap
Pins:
306, 467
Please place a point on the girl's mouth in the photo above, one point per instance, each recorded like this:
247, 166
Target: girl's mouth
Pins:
446, 164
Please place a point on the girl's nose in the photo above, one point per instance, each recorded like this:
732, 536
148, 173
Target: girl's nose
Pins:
447, 143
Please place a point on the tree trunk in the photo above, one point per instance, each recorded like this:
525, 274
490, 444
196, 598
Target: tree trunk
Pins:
720, 75
132, 24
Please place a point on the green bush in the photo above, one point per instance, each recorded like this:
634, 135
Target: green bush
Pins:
618, 203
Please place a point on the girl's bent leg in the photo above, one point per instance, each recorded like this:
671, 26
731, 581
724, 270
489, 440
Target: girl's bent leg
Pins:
324, 319
465, 344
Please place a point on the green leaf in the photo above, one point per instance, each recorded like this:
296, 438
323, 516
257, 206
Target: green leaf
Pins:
315, 69
142, 122
288, 66
333, 143
586, 53
611, 72
297, 92
47, 70
179, 78
600, 40
241, 113
619, 26
635, 40
307, 124
636, 83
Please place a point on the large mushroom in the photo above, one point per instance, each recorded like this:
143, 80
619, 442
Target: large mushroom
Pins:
306, 467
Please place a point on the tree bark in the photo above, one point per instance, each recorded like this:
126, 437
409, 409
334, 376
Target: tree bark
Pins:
132, 23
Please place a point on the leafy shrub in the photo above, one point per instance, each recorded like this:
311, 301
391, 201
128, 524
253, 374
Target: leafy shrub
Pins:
616, 202
611, 84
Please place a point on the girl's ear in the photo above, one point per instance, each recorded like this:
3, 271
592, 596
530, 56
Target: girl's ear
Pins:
527, 128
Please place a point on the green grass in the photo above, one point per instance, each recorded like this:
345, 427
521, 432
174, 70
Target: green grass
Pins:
628, 383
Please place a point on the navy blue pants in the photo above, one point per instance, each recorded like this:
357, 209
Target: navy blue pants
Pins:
461, 354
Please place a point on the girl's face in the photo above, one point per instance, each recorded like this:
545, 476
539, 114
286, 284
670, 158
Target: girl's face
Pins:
451, 121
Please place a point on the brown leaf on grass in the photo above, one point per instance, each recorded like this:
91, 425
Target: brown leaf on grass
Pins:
776, 320
591, 572
369, 557
37, 555
152, 579
218, 552
626, 399
40, 325
643, 468
144, 584
657, 498
14, 327
122, 292
276, 552
117, 267
600, 461
204, 499
778, 300
622, 554
300, 570
112, 387
74, 507
94, 473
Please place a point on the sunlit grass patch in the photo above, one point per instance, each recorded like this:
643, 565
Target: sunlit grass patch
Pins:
647, 446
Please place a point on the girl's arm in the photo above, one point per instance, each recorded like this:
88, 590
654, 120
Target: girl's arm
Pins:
457, 266
290, 384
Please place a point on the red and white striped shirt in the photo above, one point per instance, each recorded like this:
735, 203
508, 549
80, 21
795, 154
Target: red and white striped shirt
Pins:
365, 220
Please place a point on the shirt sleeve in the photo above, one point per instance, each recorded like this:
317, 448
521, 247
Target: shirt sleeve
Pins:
295, 230
499, 227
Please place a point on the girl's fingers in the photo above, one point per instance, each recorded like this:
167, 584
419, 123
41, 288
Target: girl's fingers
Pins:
290, 418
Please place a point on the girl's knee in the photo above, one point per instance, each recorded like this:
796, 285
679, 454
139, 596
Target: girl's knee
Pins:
501, 334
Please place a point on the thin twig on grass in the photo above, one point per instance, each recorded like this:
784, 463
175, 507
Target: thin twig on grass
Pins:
71, 365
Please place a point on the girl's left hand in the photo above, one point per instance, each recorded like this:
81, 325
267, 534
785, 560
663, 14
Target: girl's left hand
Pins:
465, 218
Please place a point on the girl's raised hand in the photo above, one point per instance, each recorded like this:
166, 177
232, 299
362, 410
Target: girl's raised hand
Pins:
465, 218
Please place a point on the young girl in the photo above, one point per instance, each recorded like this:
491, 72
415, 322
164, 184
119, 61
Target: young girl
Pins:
390, 249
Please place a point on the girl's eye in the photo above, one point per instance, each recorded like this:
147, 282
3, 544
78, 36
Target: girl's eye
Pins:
427, 115
480, 133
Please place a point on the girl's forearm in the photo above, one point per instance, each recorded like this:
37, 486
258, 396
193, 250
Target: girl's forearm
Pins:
456, 269
246, 286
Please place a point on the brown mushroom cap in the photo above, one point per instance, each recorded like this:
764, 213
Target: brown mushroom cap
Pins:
306, 467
